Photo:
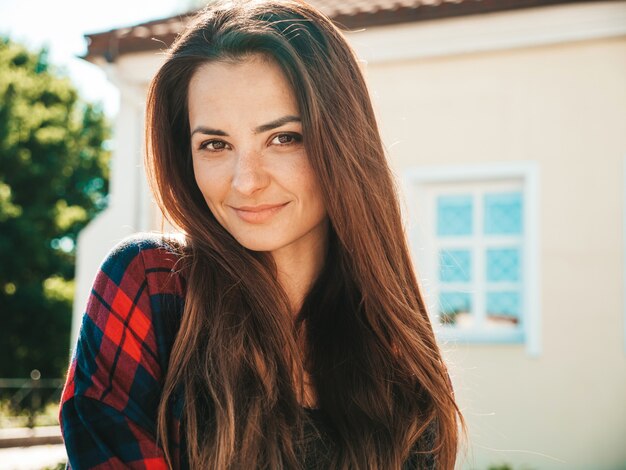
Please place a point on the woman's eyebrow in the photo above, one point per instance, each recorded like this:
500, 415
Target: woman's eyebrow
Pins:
207, 131
257, 130
276, 123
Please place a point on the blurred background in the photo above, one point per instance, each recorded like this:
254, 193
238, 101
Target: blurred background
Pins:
505, 125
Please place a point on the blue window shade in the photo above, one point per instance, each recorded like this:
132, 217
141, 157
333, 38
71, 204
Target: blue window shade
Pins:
503, 214
504, 304
454, 302
503, 264
455, 266
454, 215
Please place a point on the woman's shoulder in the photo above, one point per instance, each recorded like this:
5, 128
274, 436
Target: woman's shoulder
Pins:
131, 317
145, 253
165, 246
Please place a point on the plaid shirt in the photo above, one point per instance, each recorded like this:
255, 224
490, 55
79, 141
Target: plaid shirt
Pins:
109, 403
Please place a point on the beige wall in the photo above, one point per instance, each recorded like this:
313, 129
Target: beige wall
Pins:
563, 106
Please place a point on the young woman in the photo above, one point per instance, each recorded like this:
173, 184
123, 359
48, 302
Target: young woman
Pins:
285, 328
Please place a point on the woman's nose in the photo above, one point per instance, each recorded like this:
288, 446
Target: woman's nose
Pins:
249, 175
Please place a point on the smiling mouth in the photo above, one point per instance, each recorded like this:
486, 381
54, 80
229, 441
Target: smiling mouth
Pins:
258, 214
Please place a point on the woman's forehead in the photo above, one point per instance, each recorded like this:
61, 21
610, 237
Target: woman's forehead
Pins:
253, 89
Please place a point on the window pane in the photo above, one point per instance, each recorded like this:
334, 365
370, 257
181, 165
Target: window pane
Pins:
454, 215
455, 308
455, 266
503, 308
503, 265
503, 213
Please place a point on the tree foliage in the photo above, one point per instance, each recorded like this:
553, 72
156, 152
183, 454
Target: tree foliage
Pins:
53, 181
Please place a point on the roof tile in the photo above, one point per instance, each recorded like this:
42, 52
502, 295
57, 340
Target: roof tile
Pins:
348, 14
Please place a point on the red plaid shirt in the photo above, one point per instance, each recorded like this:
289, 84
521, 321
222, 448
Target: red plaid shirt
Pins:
109, 403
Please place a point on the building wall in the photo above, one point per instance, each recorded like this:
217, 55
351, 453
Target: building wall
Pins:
129, 204
564, 107
543, 85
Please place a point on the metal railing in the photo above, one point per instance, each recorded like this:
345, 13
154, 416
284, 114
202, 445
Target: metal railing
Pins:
30, 394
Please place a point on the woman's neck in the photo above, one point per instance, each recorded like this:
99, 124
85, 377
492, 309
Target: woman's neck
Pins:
299, 264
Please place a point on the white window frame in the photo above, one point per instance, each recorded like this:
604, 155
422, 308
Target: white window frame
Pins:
417, 179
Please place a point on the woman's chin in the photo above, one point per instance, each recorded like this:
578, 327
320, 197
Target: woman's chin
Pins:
258, 244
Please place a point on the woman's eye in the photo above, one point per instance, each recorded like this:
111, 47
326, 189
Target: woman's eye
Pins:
287, 139
213, 145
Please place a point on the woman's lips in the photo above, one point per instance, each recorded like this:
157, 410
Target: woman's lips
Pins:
258, 214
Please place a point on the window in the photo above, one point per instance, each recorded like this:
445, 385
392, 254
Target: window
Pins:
473, 234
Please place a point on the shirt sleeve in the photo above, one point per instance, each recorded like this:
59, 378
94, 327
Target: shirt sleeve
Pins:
109, 403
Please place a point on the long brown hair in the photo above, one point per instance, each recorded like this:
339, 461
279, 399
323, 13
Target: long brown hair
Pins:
370, 348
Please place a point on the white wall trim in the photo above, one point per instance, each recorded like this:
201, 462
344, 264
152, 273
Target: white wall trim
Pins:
624, 247
469, 172
491, 32
529, 172
128, 197
532, 270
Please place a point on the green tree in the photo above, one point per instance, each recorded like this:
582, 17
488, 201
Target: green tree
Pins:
53, 181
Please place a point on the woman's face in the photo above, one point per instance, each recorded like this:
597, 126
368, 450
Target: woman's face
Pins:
249, 160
